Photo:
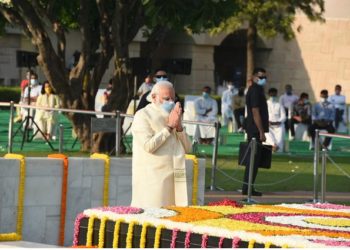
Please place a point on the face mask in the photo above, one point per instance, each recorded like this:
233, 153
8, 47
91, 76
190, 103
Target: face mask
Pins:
230, 87
168, 106
323, 99
289, 92
261, 82
205, 95
33, 82
273, 98
306, 101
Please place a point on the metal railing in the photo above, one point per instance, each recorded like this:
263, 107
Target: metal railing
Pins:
324, 156
118, 116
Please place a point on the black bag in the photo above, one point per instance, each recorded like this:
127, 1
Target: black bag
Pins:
262, 157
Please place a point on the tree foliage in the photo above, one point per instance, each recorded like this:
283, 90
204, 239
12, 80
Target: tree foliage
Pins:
272, 17
107, 27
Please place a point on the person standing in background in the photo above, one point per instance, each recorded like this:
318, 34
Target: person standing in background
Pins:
239, 108
277, 117
146, 86
46, 119
339, 103
302, 111
30, 95
226, 104
323, 114
23, 85
257, 121
287, 100
206, 109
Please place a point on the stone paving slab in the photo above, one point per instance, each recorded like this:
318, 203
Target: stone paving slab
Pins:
24, 244
277, 197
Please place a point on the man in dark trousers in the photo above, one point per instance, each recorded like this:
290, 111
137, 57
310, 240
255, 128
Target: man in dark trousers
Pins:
257, 121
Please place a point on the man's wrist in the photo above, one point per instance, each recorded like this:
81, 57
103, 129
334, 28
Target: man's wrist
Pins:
179, 129
170, 128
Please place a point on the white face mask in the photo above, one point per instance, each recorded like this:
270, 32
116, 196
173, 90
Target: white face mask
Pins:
230, 87
33, 82
323, 99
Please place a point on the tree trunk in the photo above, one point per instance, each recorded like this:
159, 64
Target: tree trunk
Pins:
251, 39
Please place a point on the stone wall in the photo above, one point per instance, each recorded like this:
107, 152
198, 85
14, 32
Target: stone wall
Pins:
42, 196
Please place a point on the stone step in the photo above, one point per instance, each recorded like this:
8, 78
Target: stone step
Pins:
24, 244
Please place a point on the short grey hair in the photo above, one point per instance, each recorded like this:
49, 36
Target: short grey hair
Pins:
157, 87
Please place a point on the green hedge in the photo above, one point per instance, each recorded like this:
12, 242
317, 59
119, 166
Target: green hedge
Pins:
8, 94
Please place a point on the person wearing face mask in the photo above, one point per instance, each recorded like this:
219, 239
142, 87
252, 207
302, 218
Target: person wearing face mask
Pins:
257, 121
226, 104
239, 109
46, 120
287, 100
160, 75
30, 95
206, 110
339, 103
146, 86
159, 147
277, 117
301, 112
323, 114
23, 85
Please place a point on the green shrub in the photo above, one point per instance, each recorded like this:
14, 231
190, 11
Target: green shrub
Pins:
8, 94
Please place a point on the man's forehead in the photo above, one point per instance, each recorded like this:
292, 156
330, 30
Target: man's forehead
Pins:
166, 91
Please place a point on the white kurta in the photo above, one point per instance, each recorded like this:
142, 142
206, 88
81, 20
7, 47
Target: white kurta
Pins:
158, 161
201, 106
226, 106
275, 136
46, 120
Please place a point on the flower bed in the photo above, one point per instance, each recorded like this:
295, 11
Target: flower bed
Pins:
225, 224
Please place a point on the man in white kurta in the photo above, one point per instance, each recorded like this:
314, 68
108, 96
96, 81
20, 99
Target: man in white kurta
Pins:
159, 147
226, 104
277, 117
206, 109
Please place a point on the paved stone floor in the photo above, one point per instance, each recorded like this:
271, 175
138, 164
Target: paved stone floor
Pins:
24, 244
278, 197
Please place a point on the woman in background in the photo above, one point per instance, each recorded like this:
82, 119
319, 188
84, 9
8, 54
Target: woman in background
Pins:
45, 119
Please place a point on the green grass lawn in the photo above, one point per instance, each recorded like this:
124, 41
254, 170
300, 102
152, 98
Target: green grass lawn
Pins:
287, 173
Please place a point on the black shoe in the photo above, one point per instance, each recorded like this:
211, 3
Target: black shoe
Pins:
254, 193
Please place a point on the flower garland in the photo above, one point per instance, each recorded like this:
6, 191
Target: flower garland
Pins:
76, 228
90, 231
101, 232
268, 244
188, 239
143, 235
235, 242
19, 224
251, 244
204, 241
194, 159
130, 233
116, 233
157, 236
106, 175
63, 195
9, 237
173, 238
267, 225
221, 241
225, 202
